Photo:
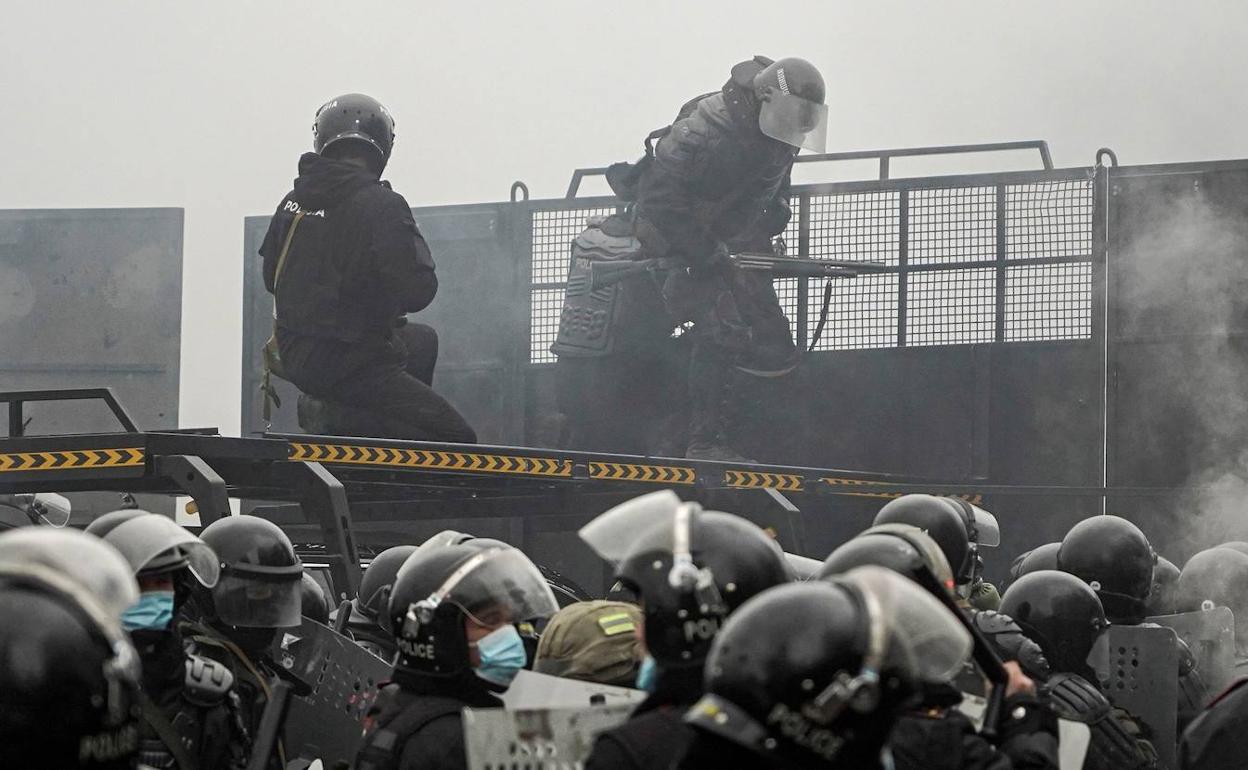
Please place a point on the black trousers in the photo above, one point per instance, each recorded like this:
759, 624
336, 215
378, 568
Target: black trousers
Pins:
388, 394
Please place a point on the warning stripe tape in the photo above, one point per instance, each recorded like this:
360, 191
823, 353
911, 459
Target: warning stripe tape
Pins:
20, 462
434, 460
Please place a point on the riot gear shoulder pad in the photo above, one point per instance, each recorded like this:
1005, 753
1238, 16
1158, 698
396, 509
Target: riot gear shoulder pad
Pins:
207, 682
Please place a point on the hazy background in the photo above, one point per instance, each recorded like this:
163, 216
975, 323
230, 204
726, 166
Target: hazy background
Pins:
207, 107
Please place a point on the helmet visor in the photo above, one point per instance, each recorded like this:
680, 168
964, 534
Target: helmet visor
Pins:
249, 601
87, 559
613, 532
986, 527
153, 541
923, 637
795, 121
498, 586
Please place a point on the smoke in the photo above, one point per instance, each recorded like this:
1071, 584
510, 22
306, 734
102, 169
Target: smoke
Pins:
1182, 374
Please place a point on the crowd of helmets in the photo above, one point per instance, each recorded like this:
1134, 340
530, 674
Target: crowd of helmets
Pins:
137, 643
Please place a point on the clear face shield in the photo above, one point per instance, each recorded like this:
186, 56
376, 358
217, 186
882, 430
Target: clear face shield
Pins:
924, 638
86, 559
46, 508
908, 631
793, 120
142, 539
612, 532
493, 588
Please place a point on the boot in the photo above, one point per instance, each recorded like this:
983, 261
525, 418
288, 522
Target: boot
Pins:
710, 387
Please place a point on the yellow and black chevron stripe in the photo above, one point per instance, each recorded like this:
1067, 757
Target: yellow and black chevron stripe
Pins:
657, 474
21, 462
786, 482
434, 460
861, 488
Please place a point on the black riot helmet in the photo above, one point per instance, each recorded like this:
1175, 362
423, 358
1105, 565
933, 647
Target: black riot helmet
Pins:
69, 677
813, 674
690, 571
939, 518
260, 583
1218, 577
355, 117
1059, 612
42, 509
1113, 556
1163, 599
1038, 558
153, 544
378, 577
905, 549
312, 600
437, 589
791, 96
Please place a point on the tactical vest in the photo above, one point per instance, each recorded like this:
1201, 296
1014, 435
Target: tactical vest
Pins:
605, 263
207, 718
384, 740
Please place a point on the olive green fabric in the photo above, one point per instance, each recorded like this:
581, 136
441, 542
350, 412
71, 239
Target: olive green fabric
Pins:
596, 641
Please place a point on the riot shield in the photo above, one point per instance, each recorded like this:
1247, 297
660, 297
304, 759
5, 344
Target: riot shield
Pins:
531, 690
340, 680
542, 739
1210, 635
1138, 669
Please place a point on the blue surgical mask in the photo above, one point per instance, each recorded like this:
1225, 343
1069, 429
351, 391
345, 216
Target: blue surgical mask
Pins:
647, 674
502, 656
152, 612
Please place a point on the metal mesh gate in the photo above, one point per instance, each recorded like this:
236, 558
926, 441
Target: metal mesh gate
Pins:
973, 259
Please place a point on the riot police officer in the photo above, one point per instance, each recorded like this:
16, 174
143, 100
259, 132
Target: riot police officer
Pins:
368, 608
454, 612
1113, 556
717, 182
237, 621
959, 528
190, 713
345, 263
69, 677
1064, 616
689, 569
1038, 558
1162, 599
933, 733
813, 675
1218, 575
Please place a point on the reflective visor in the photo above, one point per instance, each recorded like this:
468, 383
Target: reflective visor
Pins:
795, 121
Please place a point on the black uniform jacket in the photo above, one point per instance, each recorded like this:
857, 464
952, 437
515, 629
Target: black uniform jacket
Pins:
655, 737
714, 178
356, 263
438, 744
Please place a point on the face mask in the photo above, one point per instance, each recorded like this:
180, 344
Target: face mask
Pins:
153, 612
647, 674
502, 655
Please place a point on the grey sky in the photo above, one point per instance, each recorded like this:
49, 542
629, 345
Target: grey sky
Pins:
207, 106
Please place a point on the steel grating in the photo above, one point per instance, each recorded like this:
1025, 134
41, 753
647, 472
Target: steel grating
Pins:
861, 314
945, 288
1048, 302
951, 307
953, 224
